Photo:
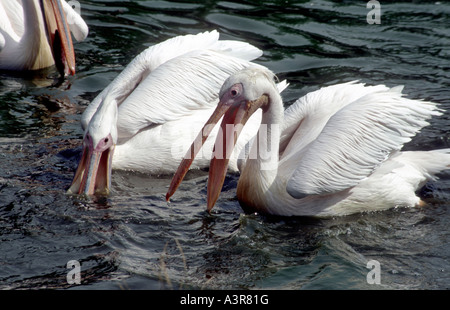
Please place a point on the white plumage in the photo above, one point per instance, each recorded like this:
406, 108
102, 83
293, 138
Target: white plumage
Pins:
151, 112
364, 126
335, 151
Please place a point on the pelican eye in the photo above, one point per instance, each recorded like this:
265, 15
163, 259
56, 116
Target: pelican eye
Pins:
234, 92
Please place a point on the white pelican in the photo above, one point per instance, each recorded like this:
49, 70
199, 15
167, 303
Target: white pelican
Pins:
35, 34
151, 112
335, 151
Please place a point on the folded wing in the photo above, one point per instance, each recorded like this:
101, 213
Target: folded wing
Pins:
353, 140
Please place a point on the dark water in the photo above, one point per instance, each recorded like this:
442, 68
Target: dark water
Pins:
135, 240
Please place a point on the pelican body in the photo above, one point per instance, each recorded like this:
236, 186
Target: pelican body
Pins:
35, 34
147, 117
335, 151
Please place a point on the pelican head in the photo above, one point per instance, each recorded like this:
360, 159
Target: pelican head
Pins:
93, 175
241, 95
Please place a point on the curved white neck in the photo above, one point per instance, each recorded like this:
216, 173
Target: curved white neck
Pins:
261, 167
264, 153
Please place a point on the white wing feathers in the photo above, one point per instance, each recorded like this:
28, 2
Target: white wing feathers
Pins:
355, 140
309, 114
144, 90
176, 89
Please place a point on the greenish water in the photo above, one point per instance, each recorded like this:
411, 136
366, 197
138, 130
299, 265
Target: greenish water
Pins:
135, 240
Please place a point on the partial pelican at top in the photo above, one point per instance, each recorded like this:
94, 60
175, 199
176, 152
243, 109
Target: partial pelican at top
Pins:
35, 34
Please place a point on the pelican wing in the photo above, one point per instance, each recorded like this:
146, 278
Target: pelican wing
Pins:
355, 139
155, 77
304, 120
176, 89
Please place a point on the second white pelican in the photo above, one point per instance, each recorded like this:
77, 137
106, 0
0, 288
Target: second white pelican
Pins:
335, 151
35, 34
153, 109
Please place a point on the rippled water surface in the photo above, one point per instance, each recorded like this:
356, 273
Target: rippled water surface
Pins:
135, 240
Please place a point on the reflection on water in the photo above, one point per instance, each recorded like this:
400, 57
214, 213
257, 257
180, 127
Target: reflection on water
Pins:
134, 239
